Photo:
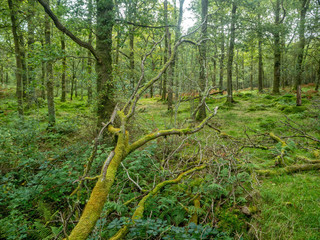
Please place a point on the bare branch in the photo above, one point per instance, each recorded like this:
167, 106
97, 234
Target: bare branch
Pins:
134, 182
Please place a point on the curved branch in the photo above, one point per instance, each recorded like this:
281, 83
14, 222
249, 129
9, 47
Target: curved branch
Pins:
173, 131
138, 213
63, 29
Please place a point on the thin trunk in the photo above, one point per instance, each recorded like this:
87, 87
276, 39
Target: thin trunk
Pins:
251, 72
237, 71
31, 66
302, 40
203, 59
277, 51
214, 77
25, 85
168, 53
49, 70
131, 58
231, 53
165, 58
260, 64
64, 68
89, 63
19, 90
318, 78
222, 56
153, 68
72, 80
7, 78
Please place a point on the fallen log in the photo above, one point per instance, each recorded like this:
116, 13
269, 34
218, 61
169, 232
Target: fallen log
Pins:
289, 169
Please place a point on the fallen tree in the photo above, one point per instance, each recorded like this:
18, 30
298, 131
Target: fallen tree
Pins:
123, 147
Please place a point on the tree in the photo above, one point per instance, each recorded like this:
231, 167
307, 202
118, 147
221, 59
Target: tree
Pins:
49, 71
123, 148
102, 54
231, 53
18, 53
203, 58
277, 48
304, 4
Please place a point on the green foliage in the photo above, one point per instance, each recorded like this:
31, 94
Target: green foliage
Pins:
35, 179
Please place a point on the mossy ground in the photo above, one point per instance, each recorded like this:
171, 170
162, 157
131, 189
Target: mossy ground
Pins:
288, 206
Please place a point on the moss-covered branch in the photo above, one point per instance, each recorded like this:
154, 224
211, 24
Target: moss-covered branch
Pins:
138, 213
279, 159
173, 131
289, 169
100, 192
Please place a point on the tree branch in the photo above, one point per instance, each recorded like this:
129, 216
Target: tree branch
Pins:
141, 25
63, 29
138, 213
168, 132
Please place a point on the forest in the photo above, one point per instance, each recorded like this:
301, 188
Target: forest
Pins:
169, 119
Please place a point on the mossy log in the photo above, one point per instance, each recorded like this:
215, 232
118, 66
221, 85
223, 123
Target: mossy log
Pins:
289, 169
138, 213
307, 160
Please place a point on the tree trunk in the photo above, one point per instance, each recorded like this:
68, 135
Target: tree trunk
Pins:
237, 72
19, 91
49, 70
317, 76
105, 86
131, 58
260, 64
31, 66
64, 68
72, 80
277, 51
168, 53
222, 56
203, 59
214, 77
303, 11
25, 85
164, 79
230, 54
89, 63
251, 71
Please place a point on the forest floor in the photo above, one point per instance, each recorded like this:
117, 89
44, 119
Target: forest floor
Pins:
258, 138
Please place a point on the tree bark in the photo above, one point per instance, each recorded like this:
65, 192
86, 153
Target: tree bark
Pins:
18, 72
203, 58
260, 64
251, 71
231, 53
277, 51
49, 70
302, 40
222, 56
64, 68
105, 85
31, 66
89, 63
